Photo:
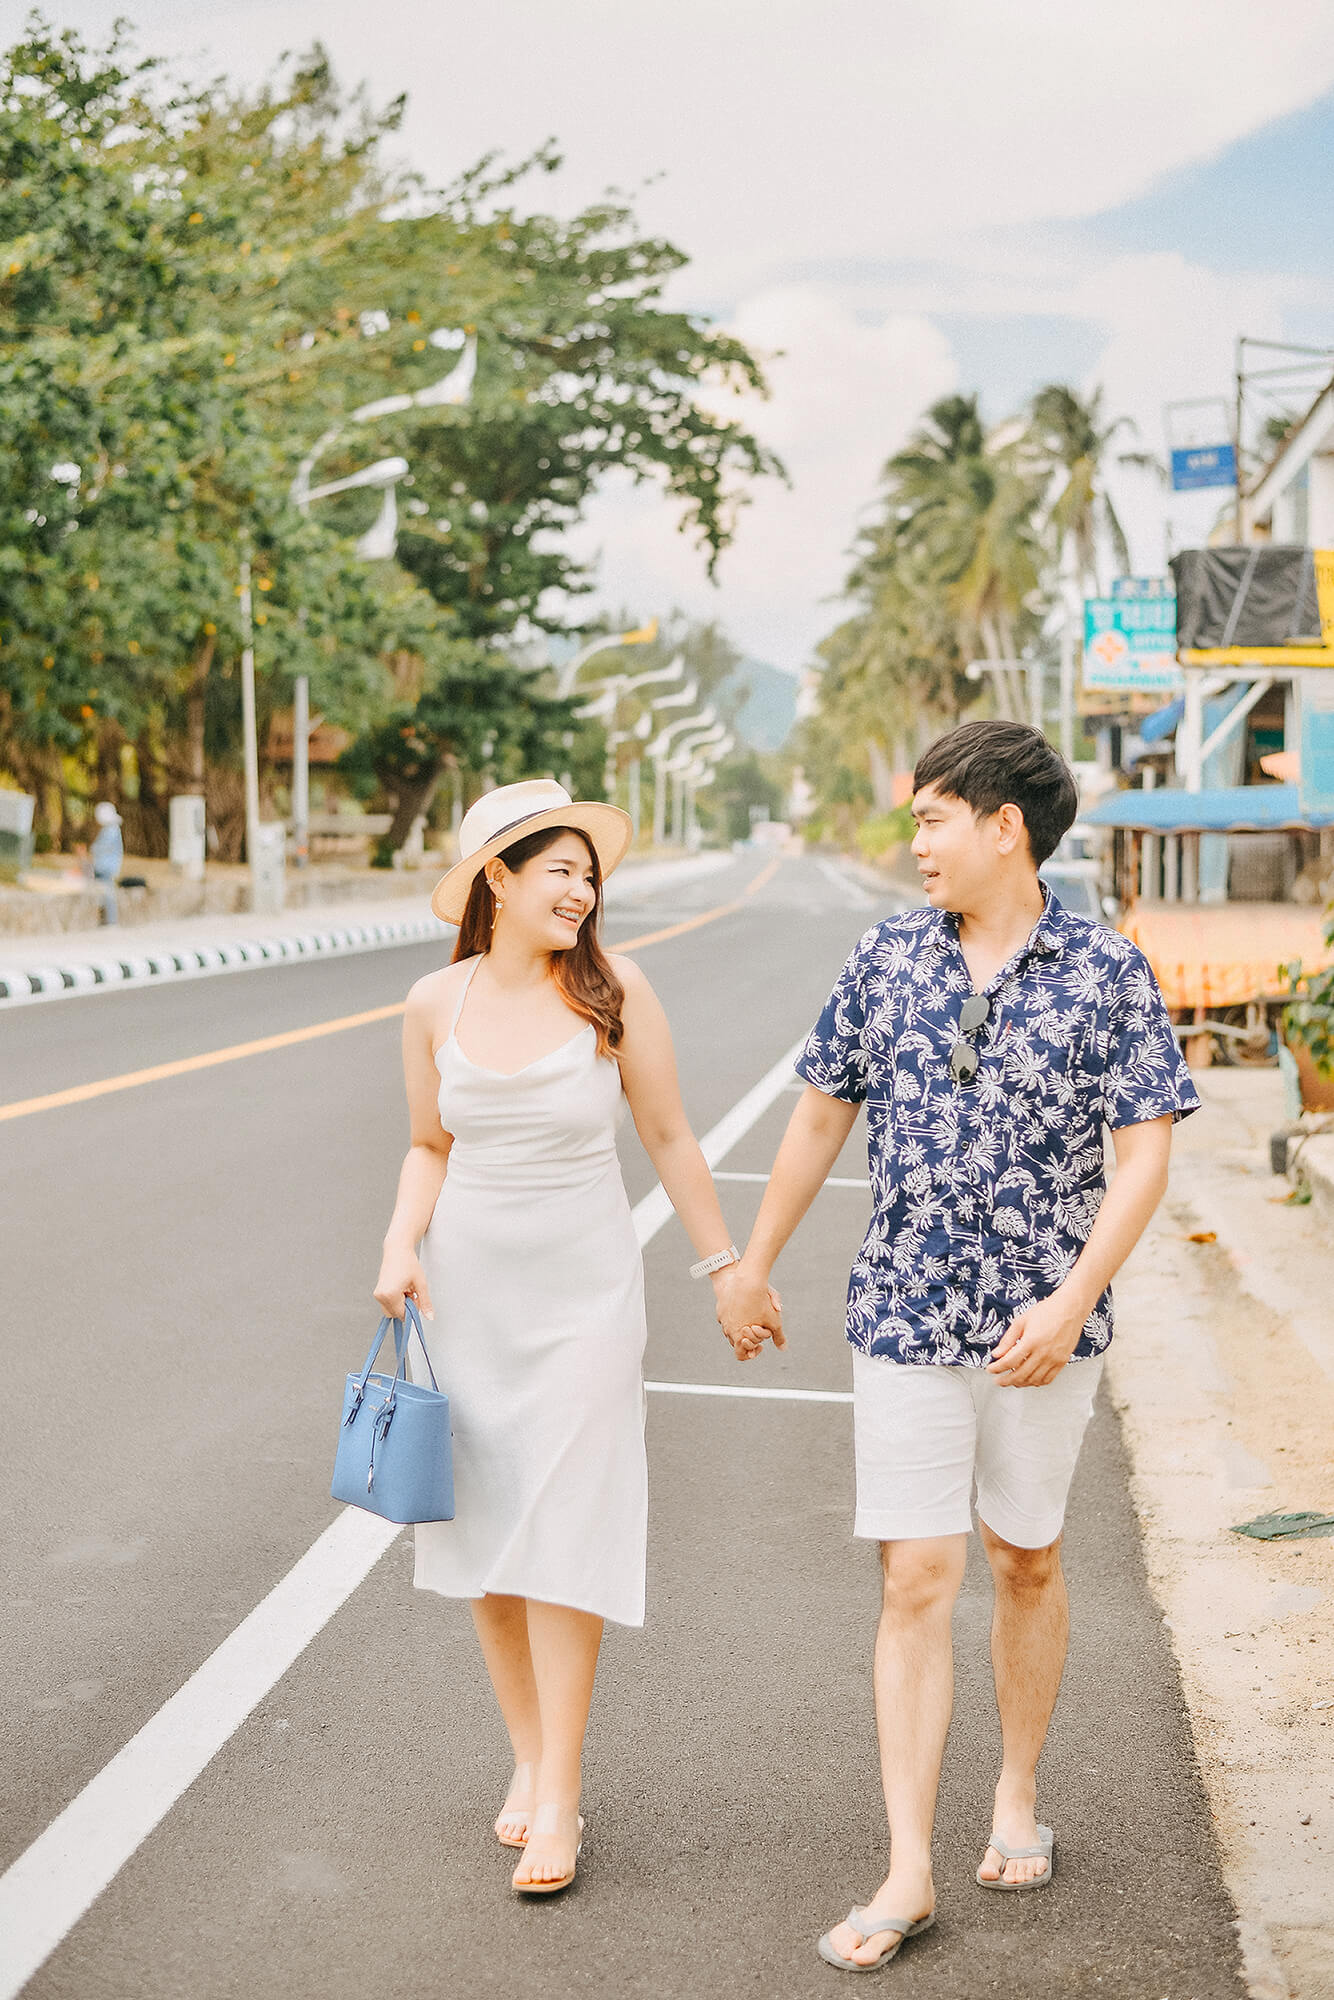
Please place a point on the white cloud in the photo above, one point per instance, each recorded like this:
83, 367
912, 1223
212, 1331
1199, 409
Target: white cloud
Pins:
845, 395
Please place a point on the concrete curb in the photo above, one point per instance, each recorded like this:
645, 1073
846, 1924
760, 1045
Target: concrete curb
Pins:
50, 982
84, 970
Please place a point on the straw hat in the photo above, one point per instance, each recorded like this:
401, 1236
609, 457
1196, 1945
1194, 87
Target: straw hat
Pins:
512, 812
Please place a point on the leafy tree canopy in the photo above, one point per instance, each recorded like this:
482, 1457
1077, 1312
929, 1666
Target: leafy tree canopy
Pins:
199, 282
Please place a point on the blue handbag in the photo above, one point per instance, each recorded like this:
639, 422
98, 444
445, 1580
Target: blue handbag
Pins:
395, 1452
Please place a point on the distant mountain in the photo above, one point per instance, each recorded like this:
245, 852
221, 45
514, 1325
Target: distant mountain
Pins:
765, 703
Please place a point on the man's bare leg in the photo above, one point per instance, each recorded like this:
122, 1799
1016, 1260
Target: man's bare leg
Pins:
1030, 1630
914, 1694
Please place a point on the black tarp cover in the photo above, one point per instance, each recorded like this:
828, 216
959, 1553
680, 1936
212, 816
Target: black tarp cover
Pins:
1259, 596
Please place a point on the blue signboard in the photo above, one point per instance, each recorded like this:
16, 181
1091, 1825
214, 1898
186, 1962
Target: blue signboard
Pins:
1130, 644
1203, 465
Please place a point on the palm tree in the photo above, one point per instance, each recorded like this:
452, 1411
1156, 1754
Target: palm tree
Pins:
1070, 442
964, 501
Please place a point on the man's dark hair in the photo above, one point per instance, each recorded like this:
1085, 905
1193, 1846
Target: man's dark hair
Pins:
993, 764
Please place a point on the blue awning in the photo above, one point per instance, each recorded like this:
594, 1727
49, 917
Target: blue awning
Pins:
1154, 728
1226, 809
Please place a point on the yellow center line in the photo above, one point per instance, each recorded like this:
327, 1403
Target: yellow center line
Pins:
81, 1093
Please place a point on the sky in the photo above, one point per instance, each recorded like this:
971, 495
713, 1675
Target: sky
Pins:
890, 200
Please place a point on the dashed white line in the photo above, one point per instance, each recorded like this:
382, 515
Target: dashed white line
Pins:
832, 1180
853, 892
754, 1394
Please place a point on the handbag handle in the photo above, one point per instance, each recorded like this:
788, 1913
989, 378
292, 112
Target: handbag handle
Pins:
403, 1331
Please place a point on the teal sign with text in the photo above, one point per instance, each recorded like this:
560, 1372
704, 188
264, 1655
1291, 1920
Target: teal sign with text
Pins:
1130, 640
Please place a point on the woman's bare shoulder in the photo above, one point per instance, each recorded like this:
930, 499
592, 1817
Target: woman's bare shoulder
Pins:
436, 991
631, 975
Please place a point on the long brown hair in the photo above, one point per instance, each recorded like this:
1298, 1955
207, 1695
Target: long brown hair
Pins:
587, 983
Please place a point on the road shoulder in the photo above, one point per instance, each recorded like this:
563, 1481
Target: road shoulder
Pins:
1223, 1375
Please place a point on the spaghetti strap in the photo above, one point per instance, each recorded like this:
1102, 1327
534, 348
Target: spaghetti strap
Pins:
464, 984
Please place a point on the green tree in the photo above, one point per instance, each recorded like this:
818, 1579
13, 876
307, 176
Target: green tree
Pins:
744, 781
157, 264
582, 374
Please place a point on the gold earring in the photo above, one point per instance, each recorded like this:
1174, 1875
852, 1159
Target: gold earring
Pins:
495, 913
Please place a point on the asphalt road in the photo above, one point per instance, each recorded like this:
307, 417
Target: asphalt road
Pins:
186, 1269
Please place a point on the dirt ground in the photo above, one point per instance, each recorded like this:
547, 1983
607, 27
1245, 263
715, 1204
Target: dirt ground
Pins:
1223, 1372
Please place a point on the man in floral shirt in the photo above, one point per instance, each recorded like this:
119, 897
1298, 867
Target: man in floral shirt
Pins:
992, 1036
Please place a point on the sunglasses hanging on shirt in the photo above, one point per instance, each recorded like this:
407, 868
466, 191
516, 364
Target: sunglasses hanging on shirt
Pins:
964, 1058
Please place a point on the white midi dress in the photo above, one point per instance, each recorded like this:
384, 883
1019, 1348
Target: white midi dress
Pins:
538, 1340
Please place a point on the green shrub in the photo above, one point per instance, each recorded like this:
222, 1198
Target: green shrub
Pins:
878, 836
1309, 1018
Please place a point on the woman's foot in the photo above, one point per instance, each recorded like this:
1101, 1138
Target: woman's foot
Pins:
514, 1816
552, 1851
907, 1893
1015, 1820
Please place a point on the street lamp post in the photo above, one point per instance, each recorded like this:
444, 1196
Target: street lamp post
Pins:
378, 543
606, 699
643, 635
684, 761
657, 753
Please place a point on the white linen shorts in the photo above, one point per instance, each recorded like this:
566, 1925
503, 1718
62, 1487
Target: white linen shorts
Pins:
925, 1434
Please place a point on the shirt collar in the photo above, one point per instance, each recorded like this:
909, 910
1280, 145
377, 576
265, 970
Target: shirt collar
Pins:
1051, 933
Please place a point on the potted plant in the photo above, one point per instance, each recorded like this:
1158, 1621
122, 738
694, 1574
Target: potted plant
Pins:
1308, 1028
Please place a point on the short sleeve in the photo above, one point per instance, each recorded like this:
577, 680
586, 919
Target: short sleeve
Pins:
834, 1058
1144, 1073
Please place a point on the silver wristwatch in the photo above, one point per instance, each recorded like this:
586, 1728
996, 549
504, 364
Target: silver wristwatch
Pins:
708, 1265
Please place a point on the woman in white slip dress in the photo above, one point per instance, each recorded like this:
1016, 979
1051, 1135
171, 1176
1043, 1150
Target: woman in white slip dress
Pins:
518, 1058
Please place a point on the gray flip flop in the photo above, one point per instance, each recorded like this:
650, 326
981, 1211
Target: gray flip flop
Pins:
866, 1923
1043, 1851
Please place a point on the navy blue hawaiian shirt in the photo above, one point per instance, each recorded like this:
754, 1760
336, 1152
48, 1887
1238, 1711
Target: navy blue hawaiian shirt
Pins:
984, 1195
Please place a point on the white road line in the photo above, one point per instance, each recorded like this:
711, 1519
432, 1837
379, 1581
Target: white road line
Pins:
58, 1878
759, 1395
833, 1180
857, 897
53, 1882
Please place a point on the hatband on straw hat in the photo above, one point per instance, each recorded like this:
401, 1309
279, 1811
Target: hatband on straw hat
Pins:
511, 813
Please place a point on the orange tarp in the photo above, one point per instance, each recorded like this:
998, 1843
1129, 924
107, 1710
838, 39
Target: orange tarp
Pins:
1225, 954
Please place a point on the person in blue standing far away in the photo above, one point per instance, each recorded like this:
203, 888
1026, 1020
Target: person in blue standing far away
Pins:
991, 1035
108, 853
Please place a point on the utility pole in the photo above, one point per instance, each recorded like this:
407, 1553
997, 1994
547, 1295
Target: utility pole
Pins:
248, 730
1239, 516
301, 770
1070, 590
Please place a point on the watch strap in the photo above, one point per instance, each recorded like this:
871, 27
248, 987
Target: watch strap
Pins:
708, 1265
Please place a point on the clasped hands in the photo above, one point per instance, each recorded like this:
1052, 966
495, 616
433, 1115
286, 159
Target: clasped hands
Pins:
749, 1311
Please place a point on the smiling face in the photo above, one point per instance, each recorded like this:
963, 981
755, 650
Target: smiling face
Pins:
960, 855
549, 897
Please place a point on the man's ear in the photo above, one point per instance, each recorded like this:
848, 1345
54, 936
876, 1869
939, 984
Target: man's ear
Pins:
1011, 830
